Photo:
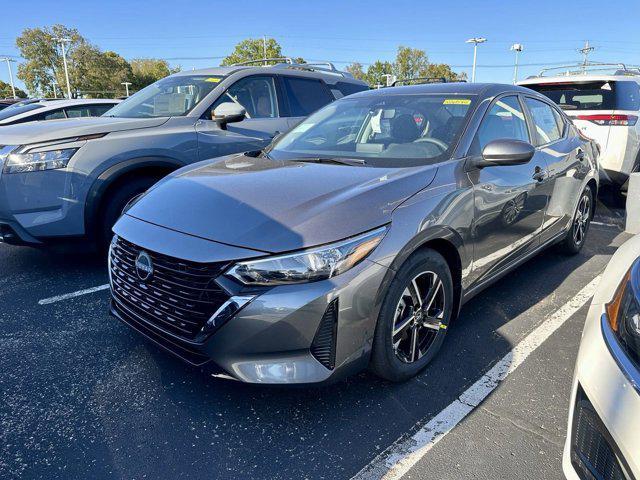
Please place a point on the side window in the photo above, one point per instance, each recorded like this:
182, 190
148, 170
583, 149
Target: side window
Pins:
545, 122
256, 94
562, 125
53, 115
305, 95
504, 120
86, 111
349, 88
99, 110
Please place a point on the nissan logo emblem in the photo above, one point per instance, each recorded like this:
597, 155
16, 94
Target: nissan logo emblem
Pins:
144, 266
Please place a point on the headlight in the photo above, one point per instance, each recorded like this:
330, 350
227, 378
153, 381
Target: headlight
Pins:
623, 312
37, 161
308, 265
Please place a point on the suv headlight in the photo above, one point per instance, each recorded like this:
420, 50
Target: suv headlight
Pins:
37, 161
623, 312
308, 265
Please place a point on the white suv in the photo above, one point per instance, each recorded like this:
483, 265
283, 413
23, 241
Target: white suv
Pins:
605, 108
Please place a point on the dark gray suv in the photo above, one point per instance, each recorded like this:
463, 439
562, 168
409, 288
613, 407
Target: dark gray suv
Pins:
354, 239
71, 178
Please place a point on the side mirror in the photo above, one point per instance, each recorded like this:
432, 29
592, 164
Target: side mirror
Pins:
228, 112
505, 152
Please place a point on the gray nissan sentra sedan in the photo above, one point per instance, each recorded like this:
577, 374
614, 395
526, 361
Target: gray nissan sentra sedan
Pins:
353, 240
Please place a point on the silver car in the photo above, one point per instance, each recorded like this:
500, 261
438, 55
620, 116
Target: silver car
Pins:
354, 239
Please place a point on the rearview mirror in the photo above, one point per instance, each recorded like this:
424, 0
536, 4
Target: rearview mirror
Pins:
228, 112
505, 152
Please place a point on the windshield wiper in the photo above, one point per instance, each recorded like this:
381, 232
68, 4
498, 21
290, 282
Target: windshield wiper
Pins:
337, 160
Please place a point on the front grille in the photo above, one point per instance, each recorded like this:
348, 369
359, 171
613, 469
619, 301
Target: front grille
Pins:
593, 452
178, 298
323, 346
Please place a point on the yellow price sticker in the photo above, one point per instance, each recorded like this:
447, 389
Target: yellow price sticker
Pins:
213, 79
457, 101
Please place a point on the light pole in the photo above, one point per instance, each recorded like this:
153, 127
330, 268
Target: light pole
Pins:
62, 42
390, 78
126, 86
13, 87
516, 47
475, 42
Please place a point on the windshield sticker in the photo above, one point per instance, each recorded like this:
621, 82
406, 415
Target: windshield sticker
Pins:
457, 101
213, 80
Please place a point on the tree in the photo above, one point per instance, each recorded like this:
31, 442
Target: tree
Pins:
148, 70
6, 92
43, 66
442, 70
377, 71
98, 74
356, 70
253, 49
410, 63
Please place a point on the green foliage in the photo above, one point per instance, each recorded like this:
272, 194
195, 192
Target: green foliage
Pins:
148, 70
409, 63
6, 92
253, 49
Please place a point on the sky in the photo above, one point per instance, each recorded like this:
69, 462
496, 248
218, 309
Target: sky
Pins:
197, 34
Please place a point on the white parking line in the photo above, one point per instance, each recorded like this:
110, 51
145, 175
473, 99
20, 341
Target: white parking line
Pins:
67, 296
403, 454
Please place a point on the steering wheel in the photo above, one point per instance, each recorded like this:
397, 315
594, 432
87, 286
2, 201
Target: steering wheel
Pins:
438, 143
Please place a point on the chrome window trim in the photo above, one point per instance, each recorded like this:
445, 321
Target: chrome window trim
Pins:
628, 368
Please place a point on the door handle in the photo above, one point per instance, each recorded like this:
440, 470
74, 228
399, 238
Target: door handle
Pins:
539, 174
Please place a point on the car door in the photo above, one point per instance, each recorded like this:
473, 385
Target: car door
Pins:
304, 96
258, 95
562, 150
509, 201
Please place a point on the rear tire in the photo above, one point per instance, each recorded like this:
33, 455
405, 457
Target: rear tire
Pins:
577, 234
114, 203
411, 328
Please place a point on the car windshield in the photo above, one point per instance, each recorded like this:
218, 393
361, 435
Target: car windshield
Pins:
383, 130
598, 95
173, 96
18, 109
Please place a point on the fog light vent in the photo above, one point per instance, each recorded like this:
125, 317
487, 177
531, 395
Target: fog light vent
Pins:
323, 346
593, 452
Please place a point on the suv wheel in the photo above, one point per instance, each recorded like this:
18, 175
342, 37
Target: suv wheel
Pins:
414, 317
114, 203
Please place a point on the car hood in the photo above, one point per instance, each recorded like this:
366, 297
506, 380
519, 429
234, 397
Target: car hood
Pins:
45, 131
277, 206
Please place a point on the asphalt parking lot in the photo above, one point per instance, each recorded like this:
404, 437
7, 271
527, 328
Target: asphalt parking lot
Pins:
82, 396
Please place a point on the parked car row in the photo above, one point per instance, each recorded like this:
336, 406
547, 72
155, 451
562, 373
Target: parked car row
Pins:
283, 248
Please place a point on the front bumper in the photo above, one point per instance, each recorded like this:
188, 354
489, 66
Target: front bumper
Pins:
273, 339
604, 421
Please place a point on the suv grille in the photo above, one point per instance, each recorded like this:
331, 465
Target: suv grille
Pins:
178, 298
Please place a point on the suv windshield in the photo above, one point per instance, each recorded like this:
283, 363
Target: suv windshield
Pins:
173, 96
597, 95
18, 109
383, 130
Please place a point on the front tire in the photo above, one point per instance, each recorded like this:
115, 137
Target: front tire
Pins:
414, 317
113, 205
577, 234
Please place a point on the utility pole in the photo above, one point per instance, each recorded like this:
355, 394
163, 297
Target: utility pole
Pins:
585, 51
516, 47
475, 42
126, 86
13, 87
264, 49
62, 42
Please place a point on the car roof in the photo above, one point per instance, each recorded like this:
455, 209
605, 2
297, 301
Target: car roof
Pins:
278, 69
75, 101
578, 79
460, 88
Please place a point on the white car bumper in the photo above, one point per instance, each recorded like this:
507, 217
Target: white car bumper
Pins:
604, 419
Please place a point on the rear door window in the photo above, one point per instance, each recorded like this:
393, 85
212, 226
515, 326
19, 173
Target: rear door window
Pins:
305, 95
87, 110
545, 122
600, 95
53, 115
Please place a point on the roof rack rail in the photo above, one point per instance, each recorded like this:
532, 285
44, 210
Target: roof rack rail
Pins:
582, 68
288, 62
420, 80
